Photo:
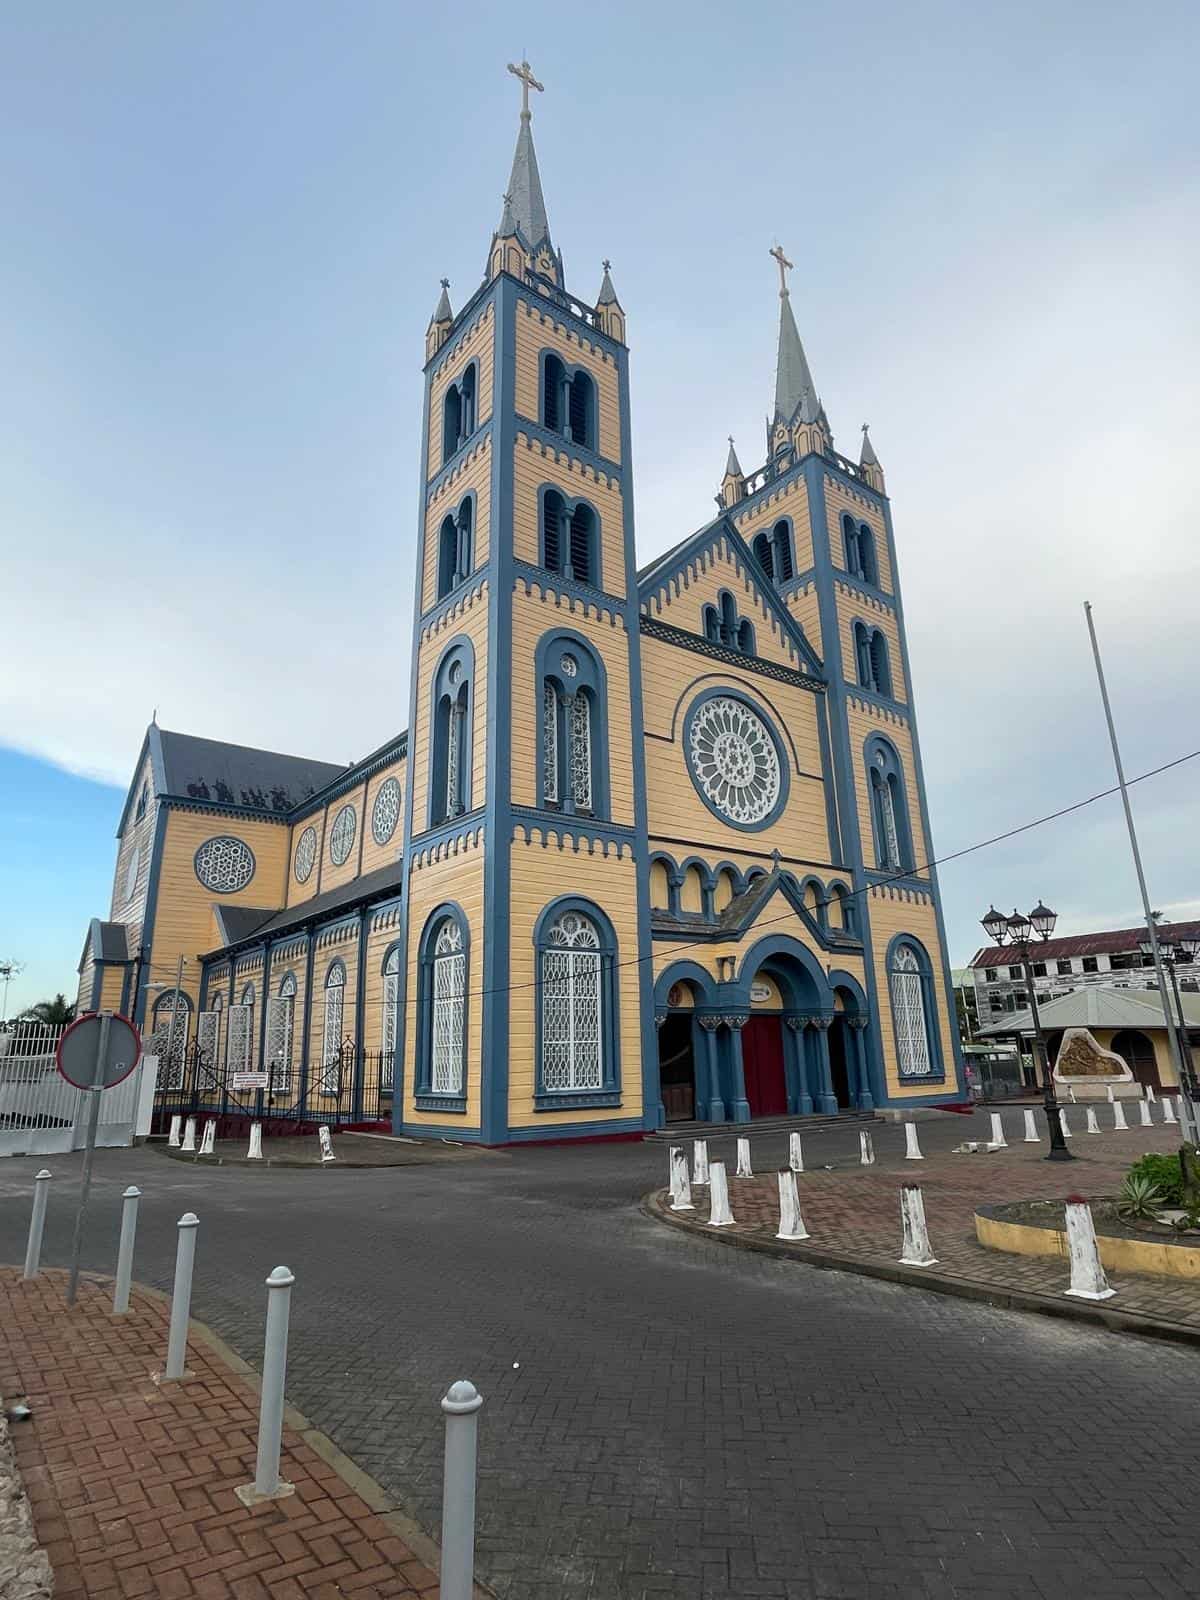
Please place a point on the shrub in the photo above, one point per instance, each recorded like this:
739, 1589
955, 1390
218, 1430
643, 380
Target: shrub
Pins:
1164, 1173
1139, 1197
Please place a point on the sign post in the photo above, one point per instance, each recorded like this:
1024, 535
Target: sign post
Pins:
95, 1052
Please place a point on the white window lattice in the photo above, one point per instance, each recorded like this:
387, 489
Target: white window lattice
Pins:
581, 751
331, 1042
449, 1006
572, 1046
908, 1014
281, 1014
341, 835
734, 760
385, 813
885, 788
306, 854
239, 1035
549, 743
170, 1067
391, 1001
224, 864
208, 1030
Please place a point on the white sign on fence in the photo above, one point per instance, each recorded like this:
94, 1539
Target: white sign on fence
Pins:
247, 1080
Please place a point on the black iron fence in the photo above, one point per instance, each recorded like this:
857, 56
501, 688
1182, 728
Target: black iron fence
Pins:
346, 1088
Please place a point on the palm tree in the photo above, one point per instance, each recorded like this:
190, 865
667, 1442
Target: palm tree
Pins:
54, 1013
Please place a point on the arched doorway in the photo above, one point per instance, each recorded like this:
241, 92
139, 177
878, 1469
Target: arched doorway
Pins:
762, 1064
686, 1069
839, 1062
677, 1066
784, 1061
1135, 1049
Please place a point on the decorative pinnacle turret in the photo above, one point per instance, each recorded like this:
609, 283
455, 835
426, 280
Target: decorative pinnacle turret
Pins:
868, 458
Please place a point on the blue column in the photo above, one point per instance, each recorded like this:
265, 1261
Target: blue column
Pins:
864, 1099
799, 1094
740, 1106
826, 1098
710, 1076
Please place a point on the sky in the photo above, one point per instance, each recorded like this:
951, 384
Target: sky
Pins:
224, 230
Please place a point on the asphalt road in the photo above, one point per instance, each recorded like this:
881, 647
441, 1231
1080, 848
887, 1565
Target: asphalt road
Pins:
666, 1416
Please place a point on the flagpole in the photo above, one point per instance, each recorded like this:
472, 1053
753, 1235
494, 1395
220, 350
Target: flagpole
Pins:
1175, 1034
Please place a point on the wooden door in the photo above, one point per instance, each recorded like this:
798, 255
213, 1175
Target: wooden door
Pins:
762, 1058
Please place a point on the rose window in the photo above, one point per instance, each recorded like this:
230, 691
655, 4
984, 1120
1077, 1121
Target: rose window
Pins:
224, 864
385, 813
306, 854
734, 760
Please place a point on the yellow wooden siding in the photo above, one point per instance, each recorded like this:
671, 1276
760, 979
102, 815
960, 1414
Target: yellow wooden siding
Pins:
789, 501
474, 471
838, 501
184, 921
297, 893
863, 723
111, 987
457, 877
532, 618
131, 909
851, 611
672, 679
380, 855
539, 875
476, 345
806, 608
333, 876
535, 464
660, 890
891, 914
685, 608
472, 624
538, 331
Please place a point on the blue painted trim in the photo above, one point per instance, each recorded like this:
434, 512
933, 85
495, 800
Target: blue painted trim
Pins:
342, 810
782, 954
571, 504
609, 1090
576, 1130
423, 1062
781, 757
610, 606
360, 1003
455, 385
569, 449
685, 972
549, 306
592, 680
553, 826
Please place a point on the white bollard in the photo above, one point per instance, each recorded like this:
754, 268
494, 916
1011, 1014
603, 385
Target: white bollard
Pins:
744, 1169
672, 1152
998, 1138
681, 1189
1031, 1133
129, 1214
1111, 1098
37, 1222
267, 1483
1092, 1125
208, 1139
1168, 1109
176, 1131
1150, 1093
1071, 1092
791, 1223
1087, 1274
699, 1162
181, 1297
255, 1151
719, 1214
795, 1154
866, 1148
1146, 1120
912, 1150
325, 1140
461, 1406
1066, 1126
189, 1135
1119, 1123
917, 1251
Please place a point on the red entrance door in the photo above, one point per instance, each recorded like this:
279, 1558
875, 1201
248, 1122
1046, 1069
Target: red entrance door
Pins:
762, 1058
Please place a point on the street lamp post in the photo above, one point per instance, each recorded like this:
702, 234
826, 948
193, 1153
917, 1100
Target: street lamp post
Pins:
1183, 950
1016, 932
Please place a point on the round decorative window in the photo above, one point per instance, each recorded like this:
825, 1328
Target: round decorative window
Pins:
385, 813
455, 673
131, 873
734, 760
306, 854
224, 864
341, 835
570, 667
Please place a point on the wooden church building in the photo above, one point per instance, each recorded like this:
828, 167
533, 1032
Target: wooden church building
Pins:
655, 845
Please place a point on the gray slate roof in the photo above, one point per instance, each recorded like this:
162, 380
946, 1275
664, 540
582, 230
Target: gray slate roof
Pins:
608, 295
733, 468
372, 885
205, 769
526, 205
794, 387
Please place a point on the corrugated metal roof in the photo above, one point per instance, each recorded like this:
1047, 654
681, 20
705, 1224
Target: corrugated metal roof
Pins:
1114, 941
370, 886
1096, 1007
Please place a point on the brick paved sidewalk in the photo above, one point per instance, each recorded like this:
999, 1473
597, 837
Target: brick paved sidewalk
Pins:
853, 1215
132, 1485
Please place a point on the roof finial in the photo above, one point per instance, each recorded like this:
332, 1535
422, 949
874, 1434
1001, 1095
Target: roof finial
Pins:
445, 282
785, 266
607, 265
528, 81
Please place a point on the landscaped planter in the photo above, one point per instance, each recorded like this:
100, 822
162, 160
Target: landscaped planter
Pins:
1036, 1228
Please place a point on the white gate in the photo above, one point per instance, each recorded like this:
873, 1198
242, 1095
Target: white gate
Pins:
41, 1114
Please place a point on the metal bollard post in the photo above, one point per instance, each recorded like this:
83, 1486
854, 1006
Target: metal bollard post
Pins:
129, 1214
461, 1405
37, 1221
270, 1415
181, 1296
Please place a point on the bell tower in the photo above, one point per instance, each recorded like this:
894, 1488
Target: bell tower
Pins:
525, 826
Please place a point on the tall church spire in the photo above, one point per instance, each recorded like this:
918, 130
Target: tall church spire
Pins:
526, 205
795, 391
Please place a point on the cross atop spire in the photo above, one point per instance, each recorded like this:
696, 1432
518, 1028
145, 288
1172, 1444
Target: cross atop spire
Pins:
528, 81
785, 266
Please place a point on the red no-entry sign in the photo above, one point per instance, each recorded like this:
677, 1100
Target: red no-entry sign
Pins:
79, 1050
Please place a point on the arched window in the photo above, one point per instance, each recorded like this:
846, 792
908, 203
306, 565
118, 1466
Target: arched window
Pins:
469, 384
568, 402
889, 807
729, 618
554, 378
841, 909
167, 1043
573, 771
862, 654
441, 1081
391, 1004
881, 671
773, 551
281, 1036
745, 637
454, 547
859, 544
660, 885
570, 542
577, 1047
243, 1060
331, 1031
582, 411
765, 554
450, 770
712, 624
459, 412
910, 980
